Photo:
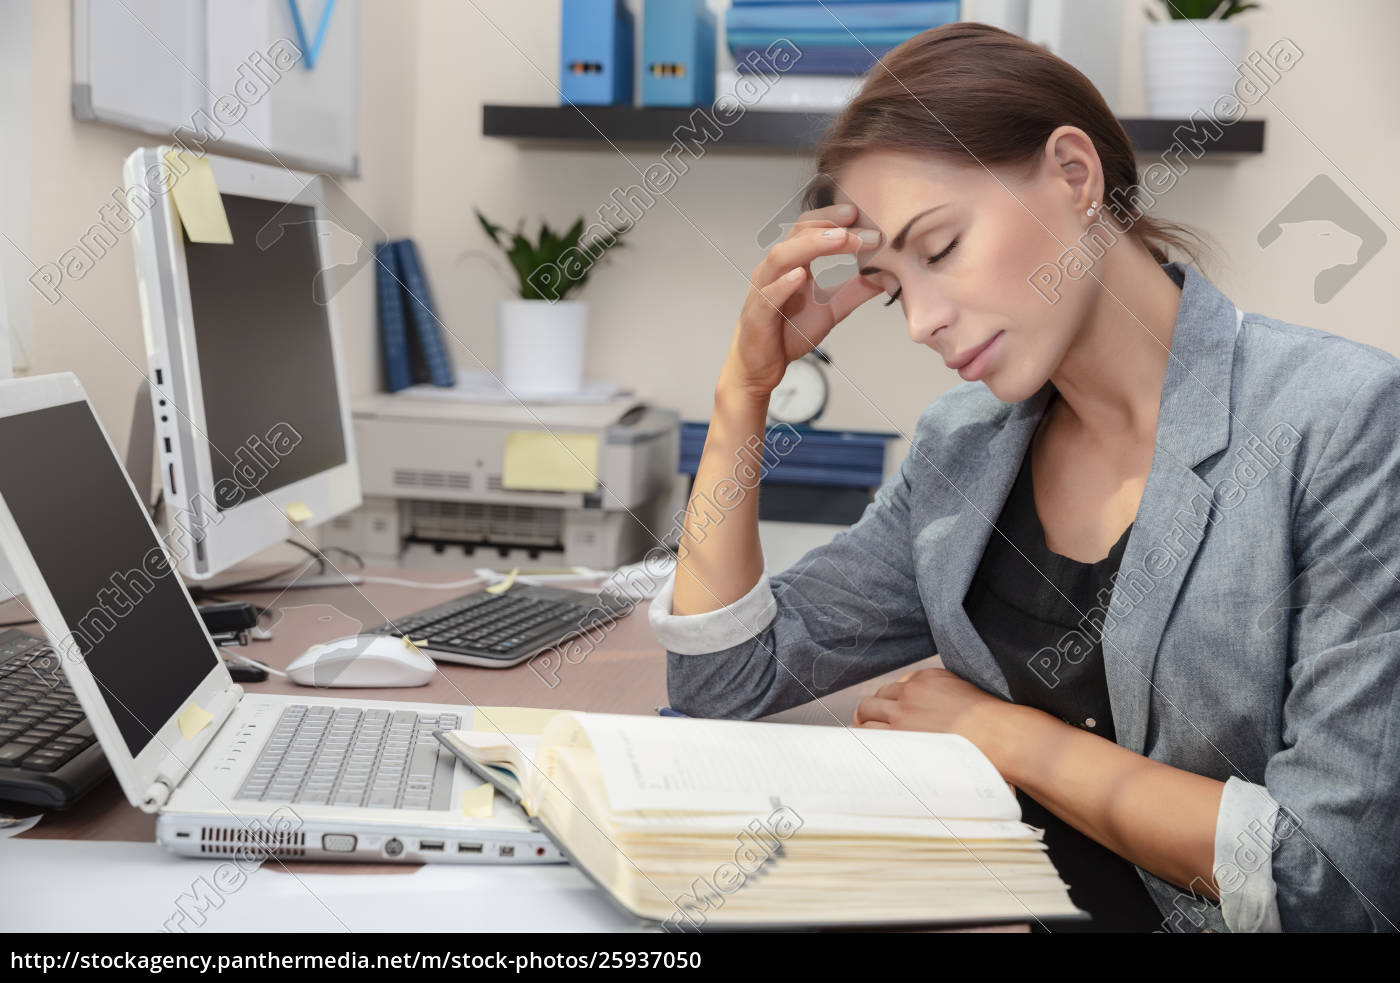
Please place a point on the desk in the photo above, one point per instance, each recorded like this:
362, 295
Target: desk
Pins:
626, 673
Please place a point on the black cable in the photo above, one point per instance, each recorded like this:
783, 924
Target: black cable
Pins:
315, 554
341, 549
17, 624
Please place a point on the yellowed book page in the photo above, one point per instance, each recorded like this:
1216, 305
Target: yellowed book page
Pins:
676, 765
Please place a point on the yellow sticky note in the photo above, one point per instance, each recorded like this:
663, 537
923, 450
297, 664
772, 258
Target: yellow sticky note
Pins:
298, 512
477, 802
193, 720
542, 461
196, 198
512, 720
504, 585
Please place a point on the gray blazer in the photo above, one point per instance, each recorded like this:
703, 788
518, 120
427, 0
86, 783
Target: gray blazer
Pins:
1246, 636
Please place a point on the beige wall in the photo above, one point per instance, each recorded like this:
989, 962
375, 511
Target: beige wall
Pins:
663, 310
97, 333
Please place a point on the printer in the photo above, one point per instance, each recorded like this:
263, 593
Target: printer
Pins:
593, 485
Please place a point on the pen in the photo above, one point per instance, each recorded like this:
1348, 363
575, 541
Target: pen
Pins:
668, 712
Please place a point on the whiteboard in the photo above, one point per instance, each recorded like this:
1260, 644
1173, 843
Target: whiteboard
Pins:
228, 75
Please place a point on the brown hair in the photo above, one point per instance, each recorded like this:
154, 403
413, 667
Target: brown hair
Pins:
973, 91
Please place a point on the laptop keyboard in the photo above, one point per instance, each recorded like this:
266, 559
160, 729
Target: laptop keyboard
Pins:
351, 756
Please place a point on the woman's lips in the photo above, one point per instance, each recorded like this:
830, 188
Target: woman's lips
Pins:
973, 364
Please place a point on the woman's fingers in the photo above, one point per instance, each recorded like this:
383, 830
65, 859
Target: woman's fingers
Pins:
767, 302
890, 691
876, 708
850, 295
842, 214
801, 249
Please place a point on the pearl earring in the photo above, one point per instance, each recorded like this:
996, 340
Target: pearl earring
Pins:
1093, 208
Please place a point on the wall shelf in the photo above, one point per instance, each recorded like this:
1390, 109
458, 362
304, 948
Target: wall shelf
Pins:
779, 131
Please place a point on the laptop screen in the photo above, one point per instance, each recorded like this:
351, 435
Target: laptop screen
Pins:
127, 610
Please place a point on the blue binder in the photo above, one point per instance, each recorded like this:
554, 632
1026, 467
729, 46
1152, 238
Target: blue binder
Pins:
427, 329
596, 53
393, 329
678, 53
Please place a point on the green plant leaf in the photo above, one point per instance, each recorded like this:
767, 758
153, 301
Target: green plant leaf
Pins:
491, 228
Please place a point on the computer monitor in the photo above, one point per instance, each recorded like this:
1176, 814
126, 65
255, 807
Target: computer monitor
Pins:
252, 421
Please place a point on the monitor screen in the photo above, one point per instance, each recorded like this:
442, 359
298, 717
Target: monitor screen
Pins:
128, 612
271, 406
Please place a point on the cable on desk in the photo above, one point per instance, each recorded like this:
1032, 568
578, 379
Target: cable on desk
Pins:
396, 582
316, 555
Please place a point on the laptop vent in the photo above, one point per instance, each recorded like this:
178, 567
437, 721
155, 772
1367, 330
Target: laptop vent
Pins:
227, 841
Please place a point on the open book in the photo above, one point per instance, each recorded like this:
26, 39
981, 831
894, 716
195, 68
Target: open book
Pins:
719, 823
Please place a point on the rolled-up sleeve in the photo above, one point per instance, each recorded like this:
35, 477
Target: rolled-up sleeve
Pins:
1336, 780
847, 611
1244, 855
696, 634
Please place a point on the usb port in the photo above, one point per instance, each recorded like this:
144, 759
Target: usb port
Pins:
160, 378
468, 847
167, 445
507, 851
430, 846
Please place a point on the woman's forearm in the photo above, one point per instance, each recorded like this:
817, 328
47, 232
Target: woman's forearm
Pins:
720, 559
1158, 817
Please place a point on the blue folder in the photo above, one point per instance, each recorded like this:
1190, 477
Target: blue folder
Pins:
431, 353
393, 329
678, 53
596, 53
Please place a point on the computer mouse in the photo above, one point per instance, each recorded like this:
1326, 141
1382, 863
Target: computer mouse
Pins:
362, 660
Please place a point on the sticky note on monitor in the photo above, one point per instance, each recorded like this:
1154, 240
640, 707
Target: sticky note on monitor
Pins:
477, 802
193, 720
543, 461
298, 512
196, 198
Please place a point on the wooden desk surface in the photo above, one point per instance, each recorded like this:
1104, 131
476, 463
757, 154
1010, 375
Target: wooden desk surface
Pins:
625, 673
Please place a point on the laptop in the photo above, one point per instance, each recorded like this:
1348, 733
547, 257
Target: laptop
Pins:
227, 773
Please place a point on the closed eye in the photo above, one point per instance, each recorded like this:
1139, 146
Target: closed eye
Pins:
931, 260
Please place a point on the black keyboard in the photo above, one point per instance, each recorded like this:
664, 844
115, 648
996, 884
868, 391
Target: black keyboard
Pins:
503, 629
48, 754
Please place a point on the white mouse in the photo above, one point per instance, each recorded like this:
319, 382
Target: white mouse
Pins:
362, 660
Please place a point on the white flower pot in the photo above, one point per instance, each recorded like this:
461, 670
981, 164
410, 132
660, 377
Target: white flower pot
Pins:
542, 346
1189, 64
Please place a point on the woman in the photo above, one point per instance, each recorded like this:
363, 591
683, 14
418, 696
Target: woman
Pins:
1148, 537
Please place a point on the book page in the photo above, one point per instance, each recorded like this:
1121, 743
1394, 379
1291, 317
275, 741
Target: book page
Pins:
687, 764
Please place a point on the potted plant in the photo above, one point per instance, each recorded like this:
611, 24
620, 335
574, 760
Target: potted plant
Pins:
1189, 60
543, 334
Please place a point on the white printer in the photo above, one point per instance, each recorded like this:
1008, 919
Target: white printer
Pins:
593, 485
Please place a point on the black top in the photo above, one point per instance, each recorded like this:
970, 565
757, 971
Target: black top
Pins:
1018, 612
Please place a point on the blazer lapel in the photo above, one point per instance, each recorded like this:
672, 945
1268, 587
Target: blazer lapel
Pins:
966, 540
1177, 510
1193, 424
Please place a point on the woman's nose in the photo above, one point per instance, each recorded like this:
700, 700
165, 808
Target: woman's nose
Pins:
926, 315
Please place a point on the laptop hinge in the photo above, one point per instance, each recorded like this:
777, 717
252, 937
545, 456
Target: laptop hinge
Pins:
177, 764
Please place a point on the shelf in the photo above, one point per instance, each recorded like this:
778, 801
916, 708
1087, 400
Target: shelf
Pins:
777, 131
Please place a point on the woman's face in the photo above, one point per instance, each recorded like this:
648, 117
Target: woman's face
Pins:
960, 249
